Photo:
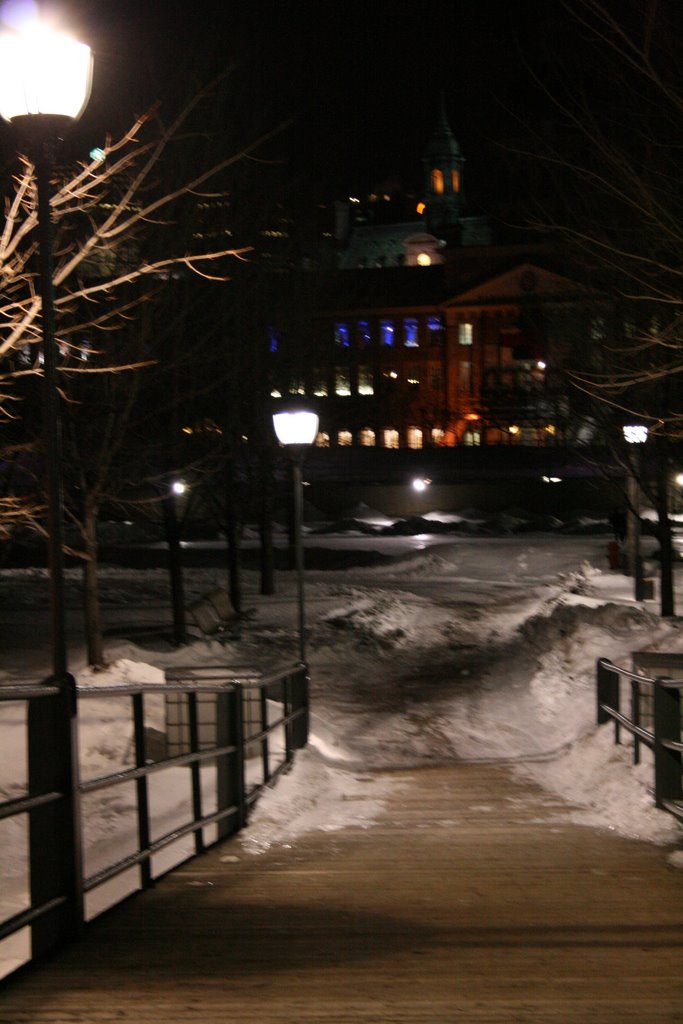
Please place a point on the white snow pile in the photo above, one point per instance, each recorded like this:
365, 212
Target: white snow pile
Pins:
475, 649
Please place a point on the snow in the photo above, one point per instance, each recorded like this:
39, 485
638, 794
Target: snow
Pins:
456, 646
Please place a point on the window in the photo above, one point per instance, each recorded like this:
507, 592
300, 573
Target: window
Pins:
390, 438
471, 437
414, 437
341, 336
363, 333
438, 435
410, 334
464, 334
367, 437
273, 340
455, 181
435, 330
344, 438
366, 384
297, 386
465, 376
437, 181
386, 332
342, 381
320, 388
424, 259
322, 440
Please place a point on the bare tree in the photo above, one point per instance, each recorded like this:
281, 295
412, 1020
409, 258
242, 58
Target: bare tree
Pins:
609, 189
124, 239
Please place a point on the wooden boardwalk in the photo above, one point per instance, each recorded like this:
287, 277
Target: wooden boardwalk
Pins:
473, 899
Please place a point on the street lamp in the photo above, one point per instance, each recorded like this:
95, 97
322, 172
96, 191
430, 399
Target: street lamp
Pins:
296, 431
45, 80
635, 435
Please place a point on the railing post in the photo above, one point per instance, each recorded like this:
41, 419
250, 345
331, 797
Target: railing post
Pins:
667, 728
299, 699
607, 693
195, 773
55, 851
230, 767
141, 788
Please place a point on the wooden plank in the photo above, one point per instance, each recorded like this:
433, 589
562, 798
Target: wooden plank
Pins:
472, 899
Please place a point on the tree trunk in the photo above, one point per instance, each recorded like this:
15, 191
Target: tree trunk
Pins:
666, 550
92, 610
232, 536
266, 525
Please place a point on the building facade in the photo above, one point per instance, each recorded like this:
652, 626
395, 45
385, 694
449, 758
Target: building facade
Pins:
431, 334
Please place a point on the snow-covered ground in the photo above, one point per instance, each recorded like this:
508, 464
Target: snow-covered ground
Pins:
470, 645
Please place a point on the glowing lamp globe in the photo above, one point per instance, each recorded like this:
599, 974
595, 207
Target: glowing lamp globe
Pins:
296, 428
43, 74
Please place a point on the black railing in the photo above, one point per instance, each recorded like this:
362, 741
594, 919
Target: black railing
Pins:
649, 709
234, 732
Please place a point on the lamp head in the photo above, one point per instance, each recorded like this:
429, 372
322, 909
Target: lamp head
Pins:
44, 75
296, 428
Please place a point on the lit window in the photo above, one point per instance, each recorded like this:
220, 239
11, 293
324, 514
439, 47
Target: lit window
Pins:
275, 393
435, 328
386, 332
455, 181
410, 334
390, 438
273, 339
420, 209
364, 335
464, 334
424, 259
320, 389
322, 440
471, 437
367, 437
438, 435
297, 386
344, 438
342, 381
366, 384
341, 335
414, 437
437, 181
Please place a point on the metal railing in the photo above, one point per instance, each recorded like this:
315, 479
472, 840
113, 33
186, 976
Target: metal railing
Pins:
255, 724
648, 708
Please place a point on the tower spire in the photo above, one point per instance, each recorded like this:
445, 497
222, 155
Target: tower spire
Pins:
443, 165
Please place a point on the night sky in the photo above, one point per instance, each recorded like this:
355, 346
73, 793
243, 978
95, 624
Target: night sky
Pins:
360, 82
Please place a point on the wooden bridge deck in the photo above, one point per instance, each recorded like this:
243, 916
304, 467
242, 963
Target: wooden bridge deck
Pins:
472, 899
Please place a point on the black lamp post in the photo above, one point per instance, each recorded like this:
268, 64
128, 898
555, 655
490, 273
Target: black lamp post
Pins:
635, 436
297, 430
45, 80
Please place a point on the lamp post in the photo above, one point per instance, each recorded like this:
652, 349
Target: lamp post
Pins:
635, 436
45, 80
296, 431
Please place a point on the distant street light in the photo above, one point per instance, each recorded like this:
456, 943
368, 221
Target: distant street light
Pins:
45, 80
635, 435
420, 485
297, 430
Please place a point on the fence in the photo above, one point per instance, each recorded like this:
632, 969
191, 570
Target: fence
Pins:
169, 802
649, 709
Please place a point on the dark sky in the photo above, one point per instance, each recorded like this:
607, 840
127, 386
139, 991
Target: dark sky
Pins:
360, 81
